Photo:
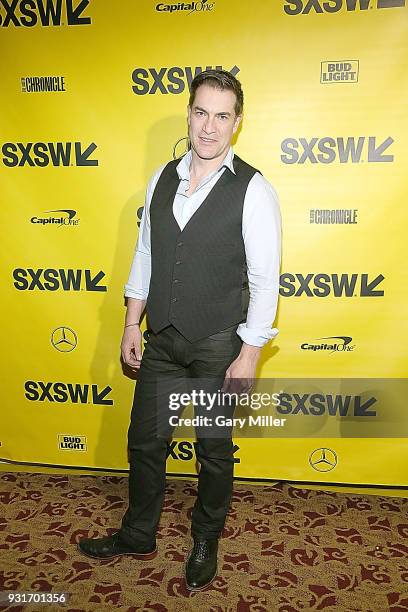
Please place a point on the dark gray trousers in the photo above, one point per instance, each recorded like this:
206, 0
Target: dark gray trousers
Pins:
170, 363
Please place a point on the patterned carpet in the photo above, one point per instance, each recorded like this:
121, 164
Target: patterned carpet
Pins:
284, 549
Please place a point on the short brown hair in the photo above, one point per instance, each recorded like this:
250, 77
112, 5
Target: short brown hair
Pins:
220, 79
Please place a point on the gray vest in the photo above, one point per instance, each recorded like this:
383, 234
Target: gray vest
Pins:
198, 279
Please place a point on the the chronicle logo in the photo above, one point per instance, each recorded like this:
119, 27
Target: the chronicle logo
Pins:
298, 7
46, 13
341, 344
66, 218
333, 405
168, 80
327, 150
339, 72
185, 450
61, 393
203, 6
320, 284
64, 339
325, 216
51, 279
42, 154
72, 443
42, 84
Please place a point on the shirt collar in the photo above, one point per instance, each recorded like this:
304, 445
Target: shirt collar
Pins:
183, 167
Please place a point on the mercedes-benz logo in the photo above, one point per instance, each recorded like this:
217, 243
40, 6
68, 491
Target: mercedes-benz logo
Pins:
323, 459
64, 339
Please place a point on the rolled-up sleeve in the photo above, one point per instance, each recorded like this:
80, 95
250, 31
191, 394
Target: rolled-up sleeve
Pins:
138, 282
261, 231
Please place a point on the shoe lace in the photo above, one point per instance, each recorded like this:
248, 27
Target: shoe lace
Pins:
201, 549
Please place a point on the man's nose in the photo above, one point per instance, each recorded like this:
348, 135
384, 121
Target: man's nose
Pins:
209, 125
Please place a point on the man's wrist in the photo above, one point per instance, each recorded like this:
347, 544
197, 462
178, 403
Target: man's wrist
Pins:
132, 324
250, 351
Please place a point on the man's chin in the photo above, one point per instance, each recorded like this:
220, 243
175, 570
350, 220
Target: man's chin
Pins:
213, 154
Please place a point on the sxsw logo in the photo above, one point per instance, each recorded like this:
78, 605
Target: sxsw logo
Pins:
316, 404
72, 443
185, 450
339, 72
64, 279
327, 150
336, 285
60, 392
168, 80
297, 7
46, 13
42, 154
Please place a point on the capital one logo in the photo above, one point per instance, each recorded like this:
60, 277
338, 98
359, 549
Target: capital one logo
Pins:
29, 13
297, 7
172, 80
327, 150
42, 154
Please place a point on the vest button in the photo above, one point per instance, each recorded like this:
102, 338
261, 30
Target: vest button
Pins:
179, 244
178, 262
174, 300
175, 280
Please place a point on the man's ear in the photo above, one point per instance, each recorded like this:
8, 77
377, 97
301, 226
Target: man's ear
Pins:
237, 121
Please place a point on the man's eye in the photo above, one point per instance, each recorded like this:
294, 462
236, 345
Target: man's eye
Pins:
199, 113
223, 116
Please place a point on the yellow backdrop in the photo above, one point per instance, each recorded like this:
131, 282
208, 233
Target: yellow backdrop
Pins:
93, 100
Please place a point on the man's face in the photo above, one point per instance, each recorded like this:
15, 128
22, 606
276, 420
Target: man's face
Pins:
212, 121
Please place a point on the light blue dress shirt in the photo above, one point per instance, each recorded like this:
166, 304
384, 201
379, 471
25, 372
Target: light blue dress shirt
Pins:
261, 232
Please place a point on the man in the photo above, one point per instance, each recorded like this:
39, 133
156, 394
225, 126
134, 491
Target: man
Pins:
206, 267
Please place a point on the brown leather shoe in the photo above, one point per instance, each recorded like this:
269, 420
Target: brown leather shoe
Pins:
113, 546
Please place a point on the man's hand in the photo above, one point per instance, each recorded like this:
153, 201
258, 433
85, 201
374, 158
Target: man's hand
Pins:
131, 347
240, 376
